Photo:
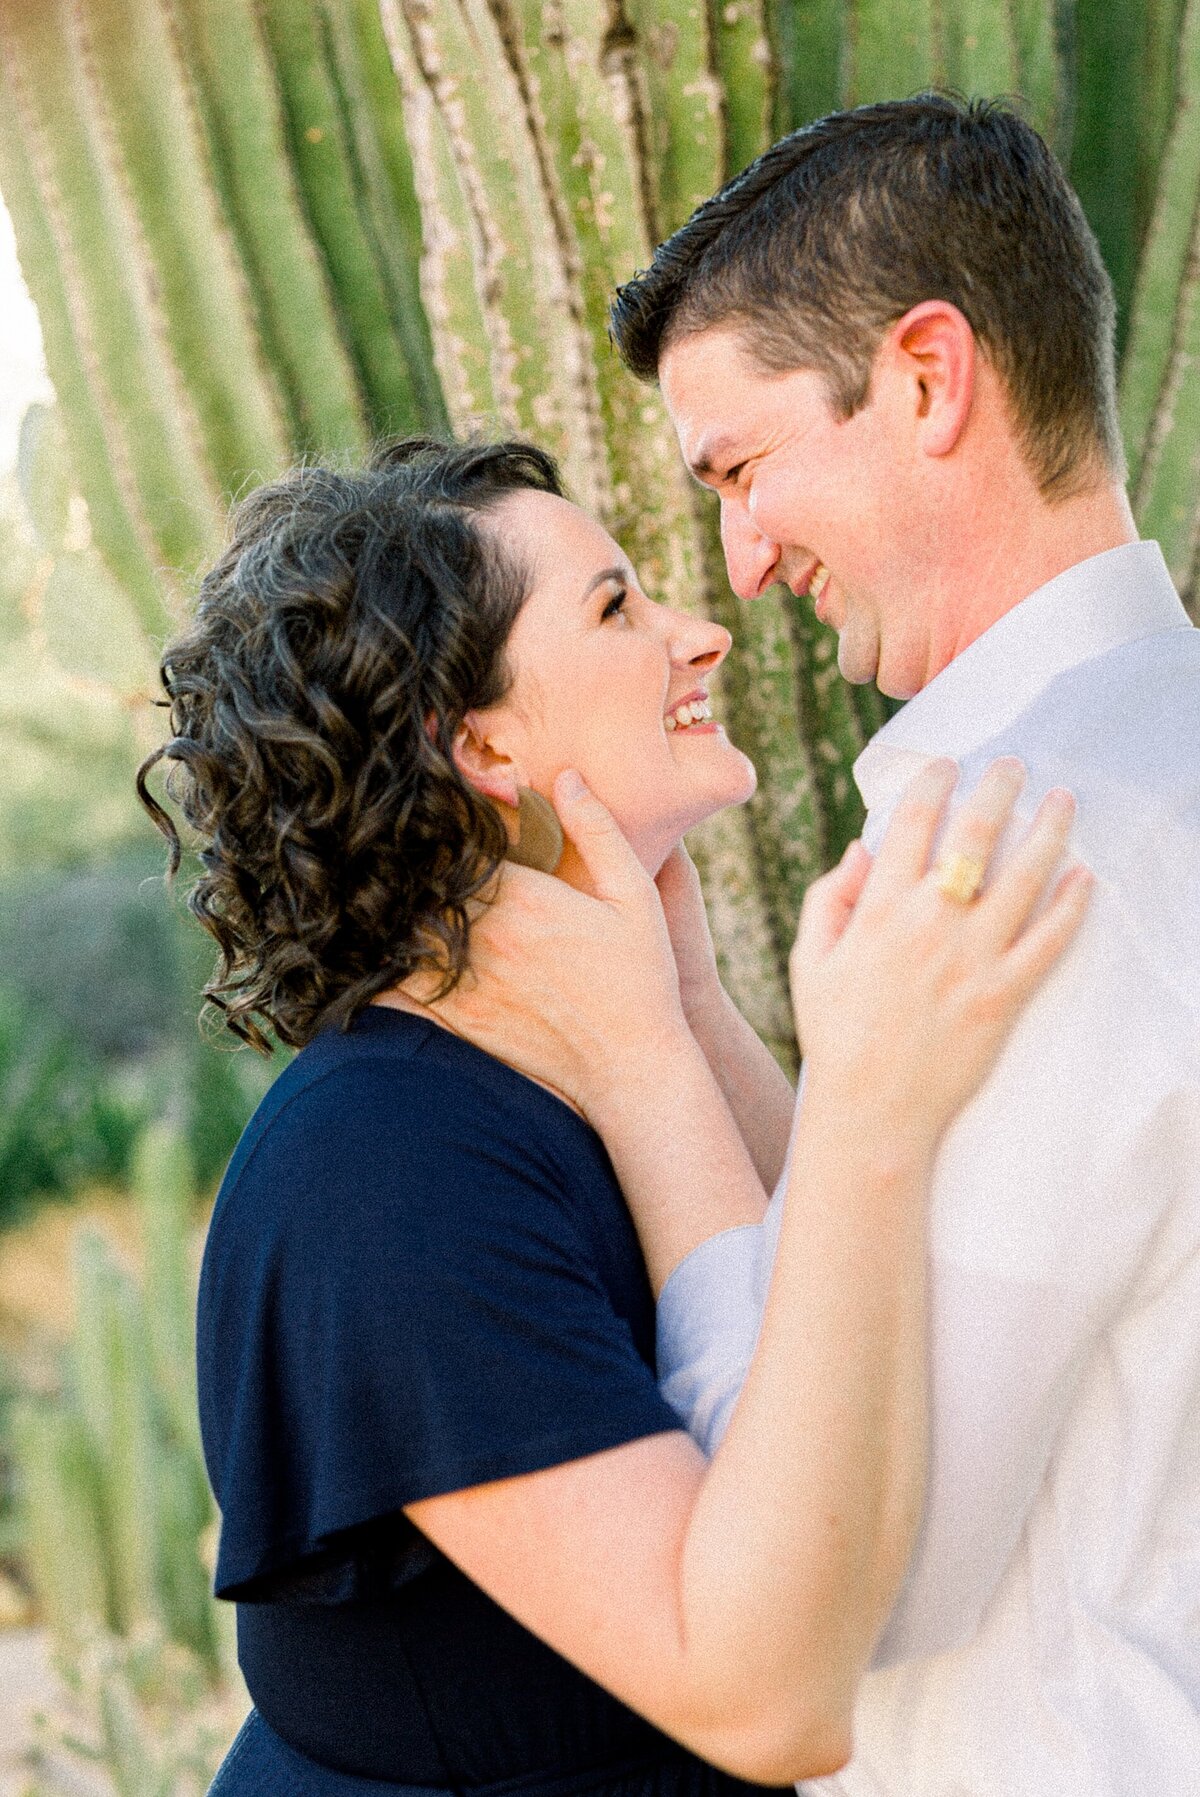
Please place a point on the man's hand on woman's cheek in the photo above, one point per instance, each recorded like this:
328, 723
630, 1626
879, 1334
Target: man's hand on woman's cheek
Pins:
577, 990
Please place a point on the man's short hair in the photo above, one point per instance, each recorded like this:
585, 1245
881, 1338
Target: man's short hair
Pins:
837, 230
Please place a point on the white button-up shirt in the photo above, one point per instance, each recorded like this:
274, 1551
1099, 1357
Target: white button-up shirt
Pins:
1046, 1642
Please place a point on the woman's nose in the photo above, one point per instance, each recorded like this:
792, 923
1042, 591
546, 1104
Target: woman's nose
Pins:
750, 557
698, 643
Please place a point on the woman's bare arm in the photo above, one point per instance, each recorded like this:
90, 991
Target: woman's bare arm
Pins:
735, 1605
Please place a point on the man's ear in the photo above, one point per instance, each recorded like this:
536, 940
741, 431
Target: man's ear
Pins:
490, 770
934, 350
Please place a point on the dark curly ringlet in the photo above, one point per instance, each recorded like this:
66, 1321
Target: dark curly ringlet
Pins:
350, 624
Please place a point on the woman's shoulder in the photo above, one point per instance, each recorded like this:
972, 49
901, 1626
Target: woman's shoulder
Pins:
392, 1067
403, 1115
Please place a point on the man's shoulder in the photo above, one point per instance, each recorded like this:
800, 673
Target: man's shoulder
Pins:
1122, 731
1133, 709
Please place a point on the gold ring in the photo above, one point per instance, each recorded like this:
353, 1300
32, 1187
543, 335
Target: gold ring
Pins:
960, 877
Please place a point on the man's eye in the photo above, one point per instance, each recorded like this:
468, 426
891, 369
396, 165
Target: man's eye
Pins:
615, 604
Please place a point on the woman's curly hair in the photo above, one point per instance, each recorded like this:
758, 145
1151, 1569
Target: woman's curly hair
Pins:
348, 627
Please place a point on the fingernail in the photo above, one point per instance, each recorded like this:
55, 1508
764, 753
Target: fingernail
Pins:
1060, 802
570, 784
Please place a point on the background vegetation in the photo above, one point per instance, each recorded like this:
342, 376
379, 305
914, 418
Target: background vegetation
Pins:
261, 229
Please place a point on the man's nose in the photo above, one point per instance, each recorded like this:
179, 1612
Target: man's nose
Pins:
750, 557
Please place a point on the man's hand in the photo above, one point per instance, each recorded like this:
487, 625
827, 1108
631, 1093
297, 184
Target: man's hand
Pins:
578, 991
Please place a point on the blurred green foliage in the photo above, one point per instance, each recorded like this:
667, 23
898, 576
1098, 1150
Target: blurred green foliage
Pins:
100, 976
100, 969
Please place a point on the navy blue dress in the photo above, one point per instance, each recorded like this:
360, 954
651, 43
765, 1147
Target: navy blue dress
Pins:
420, 1276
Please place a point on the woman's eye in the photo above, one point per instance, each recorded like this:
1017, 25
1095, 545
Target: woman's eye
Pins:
615, 604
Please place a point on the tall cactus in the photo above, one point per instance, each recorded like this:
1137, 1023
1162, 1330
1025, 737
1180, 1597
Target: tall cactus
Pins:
286, 225
115, 1494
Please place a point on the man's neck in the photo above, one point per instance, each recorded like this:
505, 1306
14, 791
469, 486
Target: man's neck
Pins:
1003, 565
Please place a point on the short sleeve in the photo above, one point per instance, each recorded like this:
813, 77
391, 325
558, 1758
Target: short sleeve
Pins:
401, 1298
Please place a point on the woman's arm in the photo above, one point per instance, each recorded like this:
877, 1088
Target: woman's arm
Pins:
736, 1603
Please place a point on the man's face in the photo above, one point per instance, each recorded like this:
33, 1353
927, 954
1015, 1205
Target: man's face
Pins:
803, 491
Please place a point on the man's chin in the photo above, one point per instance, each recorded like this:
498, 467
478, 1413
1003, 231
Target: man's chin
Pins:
857, 663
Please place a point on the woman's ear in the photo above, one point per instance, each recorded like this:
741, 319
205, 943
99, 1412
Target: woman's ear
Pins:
490, 770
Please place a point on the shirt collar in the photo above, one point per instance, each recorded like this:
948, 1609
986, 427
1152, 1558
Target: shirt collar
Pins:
1098, 605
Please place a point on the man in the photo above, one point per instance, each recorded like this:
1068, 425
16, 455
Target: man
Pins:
887, 347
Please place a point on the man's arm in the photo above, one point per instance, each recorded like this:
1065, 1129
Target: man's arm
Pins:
756, 1089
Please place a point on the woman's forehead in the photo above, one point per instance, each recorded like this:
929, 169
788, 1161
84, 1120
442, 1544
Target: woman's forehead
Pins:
558, 538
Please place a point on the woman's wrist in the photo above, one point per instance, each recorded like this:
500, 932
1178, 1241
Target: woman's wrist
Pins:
887, 1132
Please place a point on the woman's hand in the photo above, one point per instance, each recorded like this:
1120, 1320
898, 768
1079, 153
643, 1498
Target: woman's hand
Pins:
904, 995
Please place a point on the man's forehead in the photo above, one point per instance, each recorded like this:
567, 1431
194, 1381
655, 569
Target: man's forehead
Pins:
703, 381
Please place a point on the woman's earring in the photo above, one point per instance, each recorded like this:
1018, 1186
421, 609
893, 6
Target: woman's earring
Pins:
539, 839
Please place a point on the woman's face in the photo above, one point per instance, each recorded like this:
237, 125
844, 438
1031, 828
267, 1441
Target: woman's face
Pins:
599, 672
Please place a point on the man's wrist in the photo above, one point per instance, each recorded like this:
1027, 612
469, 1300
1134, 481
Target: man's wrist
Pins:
643, 1078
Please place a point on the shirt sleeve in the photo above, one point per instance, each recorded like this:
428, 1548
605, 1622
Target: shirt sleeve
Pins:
708, 1323
422, 1313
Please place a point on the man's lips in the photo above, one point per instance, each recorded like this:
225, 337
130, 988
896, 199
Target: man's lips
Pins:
812, 581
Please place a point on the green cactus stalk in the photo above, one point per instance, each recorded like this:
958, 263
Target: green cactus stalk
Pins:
374, 130
329, 176
977, 51
163, 1184
119, 1510
1042, 75
61, 1507
890, 48
233, 81
747, 78
134, 417
1157, 395
1115, 101
202, 312
111, 1379
684, 106
809, 38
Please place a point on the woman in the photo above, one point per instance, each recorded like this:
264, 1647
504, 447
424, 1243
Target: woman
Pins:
470, 1545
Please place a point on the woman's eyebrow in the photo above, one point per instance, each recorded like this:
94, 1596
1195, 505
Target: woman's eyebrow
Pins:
598, 580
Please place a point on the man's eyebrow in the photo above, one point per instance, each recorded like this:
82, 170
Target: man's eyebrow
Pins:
713, 457
598, 580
